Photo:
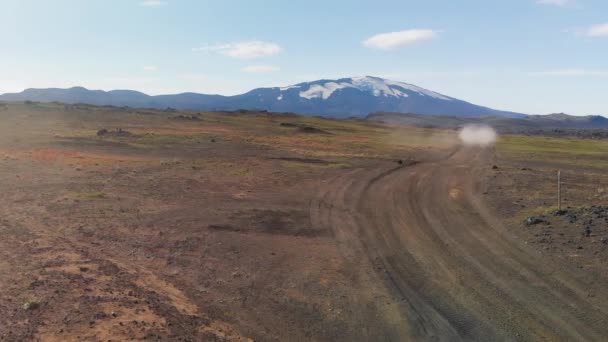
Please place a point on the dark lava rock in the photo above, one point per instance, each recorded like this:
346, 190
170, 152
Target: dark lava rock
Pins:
100, 316
310, 129
560, 212
187, 117
587, 232
599, 211
117, 133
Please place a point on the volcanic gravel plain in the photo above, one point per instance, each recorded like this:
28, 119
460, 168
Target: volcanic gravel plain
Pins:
134, 224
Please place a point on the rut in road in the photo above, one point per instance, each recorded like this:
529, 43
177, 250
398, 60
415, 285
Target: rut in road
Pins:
452, 265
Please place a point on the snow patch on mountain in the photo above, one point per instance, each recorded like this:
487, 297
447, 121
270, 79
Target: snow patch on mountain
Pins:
372, 85
376, 86
288, 87
417, 89
324, 91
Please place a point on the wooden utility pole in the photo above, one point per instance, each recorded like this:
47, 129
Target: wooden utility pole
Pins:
559, 190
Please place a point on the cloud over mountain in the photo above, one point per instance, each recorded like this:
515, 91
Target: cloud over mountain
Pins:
243, 50
394, 40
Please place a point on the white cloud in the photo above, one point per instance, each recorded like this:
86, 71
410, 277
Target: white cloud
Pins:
571, 72
393, 40
559, 3
152, 3
260, 69
150, 68
243, 50
597, 31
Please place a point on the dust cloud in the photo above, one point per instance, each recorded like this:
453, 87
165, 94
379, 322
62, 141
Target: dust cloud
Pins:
477, 135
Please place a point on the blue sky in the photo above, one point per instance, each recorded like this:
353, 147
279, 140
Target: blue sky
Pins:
532, 56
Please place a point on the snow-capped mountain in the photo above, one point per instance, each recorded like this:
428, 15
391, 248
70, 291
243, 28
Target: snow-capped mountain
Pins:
355, 96
359, 96
372, 85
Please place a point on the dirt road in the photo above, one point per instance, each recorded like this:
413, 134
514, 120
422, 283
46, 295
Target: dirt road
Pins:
451, 264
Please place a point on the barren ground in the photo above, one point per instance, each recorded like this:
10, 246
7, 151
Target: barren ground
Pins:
244, 226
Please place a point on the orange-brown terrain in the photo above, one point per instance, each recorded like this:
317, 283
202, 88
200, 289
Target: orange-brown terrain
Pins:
123, 224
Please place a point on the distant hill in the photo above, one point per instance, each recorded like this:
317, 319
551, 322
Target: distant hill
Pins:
346, 97
113, 98
504, 124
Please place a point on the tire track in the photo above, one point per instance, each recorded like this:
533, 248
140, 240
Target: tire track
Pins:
451, 265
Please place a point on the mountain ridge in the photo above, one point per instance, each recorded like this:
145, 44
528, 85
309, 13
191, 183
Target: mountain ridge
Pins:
343, 97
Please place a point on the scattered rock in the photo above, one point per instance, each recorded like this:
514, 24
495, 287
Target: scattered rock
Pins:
120, 131
560, 212
187, 117
117, 133
572, 217
533, 220
31, 305
99, 316
304, 128
36, 283
587, 231
310, 129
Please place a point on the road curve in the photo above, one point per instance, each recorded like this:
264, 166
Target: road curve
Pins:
451, 265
